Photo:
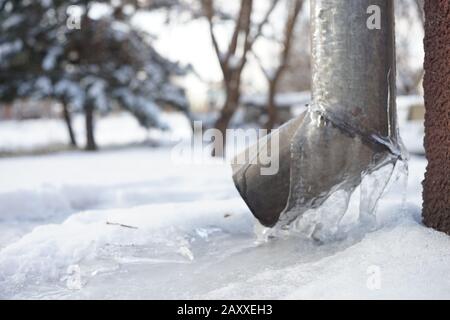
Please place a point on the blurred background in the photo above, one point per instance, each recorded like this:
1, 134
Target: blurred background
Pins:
96, 75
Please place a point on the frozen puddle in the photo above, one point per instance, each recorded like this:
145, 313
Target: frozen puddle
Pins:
136, 254
94, 245
162, 251
208, 249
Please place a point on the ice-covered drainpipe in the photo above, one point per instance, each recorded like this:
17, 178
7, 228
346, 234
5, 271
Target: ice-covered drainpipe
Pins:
350, 128
353, 62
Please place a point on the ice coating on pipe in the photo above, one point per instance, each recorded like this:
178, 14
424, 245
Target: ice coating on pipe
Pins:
353, 66
349, 132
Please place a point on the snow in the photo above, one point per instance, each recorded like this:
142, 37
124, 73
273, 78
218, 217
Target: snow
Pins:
412, 132
50, 59
12, 21
111, 131
130, 224
7, 49
133, 222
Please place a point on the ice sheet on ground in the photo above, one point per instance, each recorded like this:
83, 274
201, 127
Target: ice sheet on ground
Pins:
127, 224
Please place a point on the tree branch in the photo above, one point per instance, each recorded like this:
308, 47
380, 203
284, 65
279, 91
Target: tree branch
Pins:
286, 43
261, 65
250, 40
237, 29
288, 36
261, 25
208, 8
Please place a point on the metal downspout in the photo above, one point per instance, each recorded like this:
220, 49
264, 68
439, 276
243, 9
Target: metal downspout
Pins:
350, 128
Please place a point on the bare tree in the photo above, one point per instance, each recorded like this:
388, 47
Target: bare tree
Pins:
297, 77
68, 120
274, 76
233, 60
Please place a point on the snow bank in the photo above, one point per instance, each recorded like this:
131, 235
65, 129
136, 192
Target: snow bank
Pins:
47, 189
412, 263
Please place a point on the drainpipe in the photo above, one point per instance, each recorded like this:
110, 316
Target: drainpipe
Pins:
350, 128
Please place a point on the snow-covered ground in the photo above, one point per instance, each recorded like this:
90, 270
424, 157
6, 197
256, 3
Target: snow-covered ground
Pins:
131, 224
111, 131
123, 129
134, 223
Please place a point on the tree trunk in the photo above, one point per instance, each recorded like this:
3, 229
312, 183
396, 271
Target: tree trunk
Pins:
231, 70
68, 119
436, 186
233, 95
91, 145
273, 81
272, 110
